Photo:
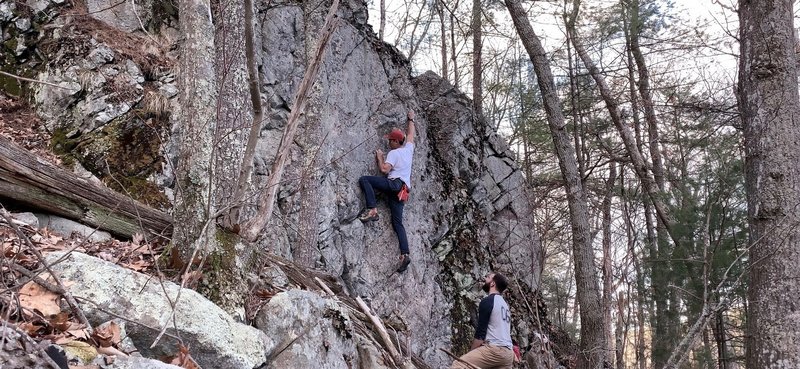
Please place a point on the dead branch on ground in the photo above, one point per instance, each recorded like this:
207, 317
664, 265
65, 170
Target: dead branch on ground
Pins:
61, 289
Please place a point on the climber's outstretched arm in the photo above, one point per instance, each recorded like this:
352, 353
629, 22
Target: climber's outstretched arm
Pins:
411, 130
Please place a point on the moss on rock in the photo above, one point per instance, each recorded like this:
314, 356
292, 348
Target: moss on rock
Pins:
224, 283
63, 146
124, 155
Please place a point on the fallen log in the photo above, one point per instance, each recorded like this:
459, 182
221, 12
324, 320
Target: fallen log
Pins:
31, 181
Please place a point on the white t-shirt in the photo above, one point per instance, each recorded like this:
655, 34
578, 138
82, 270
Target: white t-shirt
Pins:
494, 321
400, 159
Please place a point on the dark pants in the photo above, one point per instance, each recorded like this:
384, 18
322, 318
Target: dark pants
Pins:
370, 184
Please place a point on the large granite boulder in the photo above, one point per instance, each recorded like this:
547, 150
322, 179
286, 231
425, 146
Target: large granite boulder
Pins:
106, 291
326, 336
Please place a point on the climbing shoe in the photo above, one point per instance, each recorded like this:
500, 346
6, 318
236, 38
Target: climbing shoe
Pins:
365, 217
405, 259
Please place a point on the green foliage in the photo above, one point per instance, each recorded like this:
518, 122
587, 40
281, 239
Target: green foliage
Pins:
708, 203
559, 297
654, 15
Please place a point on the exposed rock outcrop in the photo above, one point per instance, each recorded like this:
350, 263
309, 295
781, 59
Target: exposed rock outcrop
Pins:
105, 93
325, 332
467, 214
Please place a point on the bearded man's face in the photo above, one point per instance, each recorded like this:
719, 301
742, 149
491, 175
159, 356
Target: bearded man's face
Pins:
487, 283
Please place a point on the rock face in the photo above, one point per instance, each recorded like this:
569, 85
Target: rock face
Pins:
540, 356
298, 312
468, 209
106, 96
468, 212
326, 335
128, 16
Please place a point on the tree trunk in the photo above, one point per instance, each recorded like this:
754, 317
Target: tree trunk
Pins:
659, 344
639, 164
659, 296
382, 26
243, 181
453, 52
721, 339
770, 111
608, 276
641, 290
681, 351
197, 82
577, 121
477, 63
667, 306
646, 94
34, 182
621, 334
665, 328
234, 109
707, 352
440, 13
593, 339
252, 229
237, 112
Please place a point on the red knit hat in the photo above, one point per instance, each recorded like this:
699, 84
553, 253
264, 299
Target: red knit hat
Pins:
396, 135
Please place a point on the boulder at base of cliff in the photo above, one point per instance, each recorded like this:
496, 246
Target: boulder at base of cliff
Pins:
106, 290
321, 333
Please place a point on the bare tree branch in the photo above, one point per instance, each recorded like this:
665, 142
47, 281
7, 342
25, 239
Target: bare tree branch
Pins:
61, 289
33, 80
253, 76
252, 229
639, 164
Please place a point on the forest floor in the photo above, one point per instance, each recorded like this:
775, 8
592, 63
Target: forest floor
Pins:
19, 123
38, 311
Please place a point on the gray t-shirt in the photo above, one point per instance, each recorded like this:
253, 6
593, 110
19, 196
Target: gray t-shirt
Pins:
494, 321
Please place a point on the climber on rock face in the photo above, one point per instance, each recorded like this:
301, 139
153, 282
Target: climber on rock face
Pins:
492, 346
396, 184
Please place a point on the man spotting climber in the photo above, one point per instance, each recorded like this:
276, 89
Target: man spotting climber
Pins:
396, 165
492, 346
